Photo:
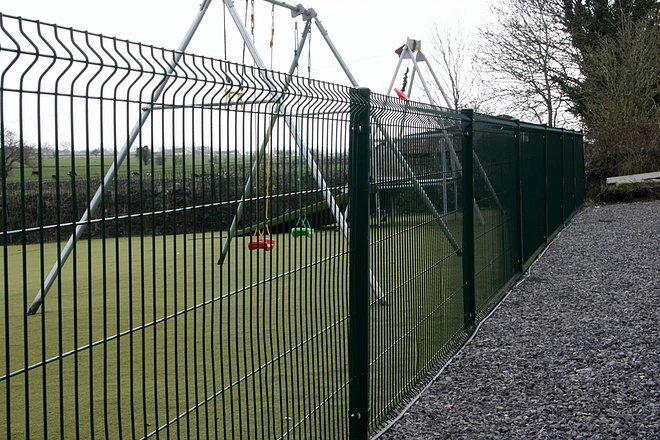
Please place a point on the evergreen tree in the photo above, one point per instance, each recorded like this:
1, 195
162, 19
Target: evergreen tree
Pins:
589, 23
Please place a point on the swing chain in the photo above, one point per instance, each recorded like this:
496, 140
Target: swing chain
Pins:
252, 19
309, 54
272, 33
405, 79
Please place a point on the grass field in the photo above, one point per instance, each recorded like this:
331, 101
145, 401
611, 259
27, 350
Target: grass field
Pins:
188, 329
160, 165
148, 333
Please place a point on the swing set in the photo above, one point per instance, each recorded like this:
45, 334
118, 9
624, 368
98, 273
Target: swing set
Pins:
262, 239
412, 51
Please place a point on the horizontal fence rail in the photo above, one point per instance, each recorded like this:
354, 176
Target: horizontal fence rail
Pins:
193, 248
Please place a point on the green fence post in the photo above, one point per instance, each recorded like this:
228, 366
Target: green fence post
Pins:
518, 211
546, 229
469, 292
358, 199
583, 180
563, 179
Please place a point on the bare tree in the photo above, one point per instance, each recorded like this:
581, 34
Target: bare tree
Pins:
459, 70
455, 56
525, 51
14, 153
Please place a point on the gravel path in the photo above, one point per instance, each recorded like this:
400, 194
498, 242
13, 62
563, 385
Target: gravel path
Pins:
572, 352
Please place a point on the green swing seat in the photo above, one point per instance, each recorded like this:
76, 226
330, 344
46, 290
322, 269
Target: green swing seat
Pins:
302, 232
302, 228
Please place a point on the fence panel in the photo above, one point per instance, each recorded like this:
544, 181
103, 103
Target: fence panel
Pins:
415, 244
568, 175
578, 171
157, 323
496, 224
177, 251
533, 169
554, 173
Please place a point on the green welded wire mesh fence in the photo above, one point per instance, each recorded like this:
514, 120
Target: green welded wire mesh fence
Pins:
211, 250
415, 247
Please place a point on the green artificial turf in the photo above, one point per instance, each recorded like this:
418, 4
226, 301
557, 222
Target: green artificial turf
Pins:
147, 333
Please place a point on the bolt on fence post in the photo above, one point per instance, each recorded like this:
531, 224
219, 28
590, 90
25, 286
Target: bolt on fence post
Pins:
469, 291
359, 290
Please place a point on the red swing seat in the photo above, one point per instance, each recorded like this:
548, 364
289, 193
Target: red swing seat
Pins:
261, 243
400, 94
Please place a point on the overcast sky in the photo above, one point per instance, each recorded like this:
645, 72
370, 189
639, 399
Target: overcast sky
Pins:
365, 32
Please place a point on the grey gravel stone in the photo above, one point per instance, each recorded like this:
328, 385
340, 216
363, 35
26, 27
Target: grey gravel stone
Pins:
572, 353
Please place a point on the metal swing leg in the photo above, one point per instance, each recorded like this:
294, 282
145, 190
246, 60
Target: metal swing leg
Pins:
334, 208
81, 225
330, 200
408, 53
418, 187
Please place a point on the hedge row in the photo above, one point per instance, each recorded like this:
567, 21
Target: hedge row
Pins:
48, 210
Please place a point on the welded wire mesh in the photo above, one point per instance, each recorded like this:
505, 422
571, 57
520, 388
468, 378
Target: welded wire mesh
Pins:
177, 228
554, 181
532, 187
160, 319
495, 202
417, 315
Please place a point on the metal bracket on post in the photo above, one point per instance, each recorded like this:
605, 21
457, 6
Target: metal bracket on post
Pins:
296, 10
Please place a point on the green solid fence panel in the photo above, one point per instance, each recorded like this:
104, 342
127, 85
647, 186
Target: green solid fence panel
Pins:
578, 161
495, 198
532, 157
554, 179
192, 248
568, 174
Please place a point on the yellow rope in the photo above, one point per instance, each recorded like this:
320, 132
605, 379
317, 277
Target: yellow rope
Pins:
268, 179
259, 231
